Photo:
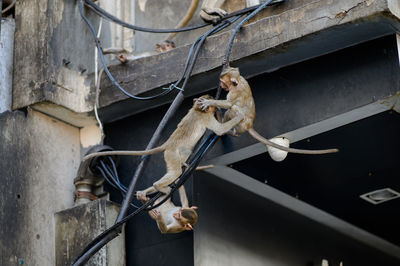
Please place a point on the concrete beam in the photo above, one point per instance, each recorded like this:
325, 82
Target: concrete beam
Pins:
315, 28
76, 227
315, 214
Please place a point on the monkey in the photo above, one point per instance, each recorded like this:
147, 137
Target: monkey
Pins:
165, 46
240, 101
170, 218
180, 144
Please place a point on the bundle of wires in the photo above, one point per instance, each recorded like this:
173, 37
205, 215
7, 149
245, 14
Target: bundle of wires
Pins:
115, 230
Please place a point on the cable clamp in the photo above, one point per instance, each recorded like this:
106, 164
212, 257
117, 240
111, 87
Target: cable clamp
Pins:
173, 86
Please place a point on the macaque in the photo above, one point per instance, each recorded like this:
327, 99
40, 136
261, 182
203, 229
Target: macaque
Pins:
170, 218
165, 46
239, 101
180, 144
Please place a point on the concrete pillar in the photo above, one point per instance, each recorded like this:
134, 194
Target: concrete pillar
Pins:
39, 158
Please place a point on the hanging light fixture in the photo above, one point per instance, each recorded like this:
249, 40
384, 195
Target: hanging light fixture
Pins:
276, 154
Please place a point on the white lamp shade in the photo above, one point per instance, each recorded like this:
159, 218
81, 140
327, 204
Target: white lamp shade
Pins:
276, 154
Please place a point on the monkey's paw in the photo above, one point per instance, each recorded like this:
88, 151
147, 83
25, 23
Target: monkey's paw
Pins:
212, 14
203, 103
141, 195
156, 214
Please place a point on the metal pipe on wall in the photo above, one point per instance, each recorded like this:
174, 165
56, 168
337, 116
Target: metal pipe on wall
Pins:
6, 63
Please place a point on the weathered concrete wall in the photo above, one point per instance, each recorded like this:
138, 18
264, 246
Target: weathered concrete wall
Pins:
76, 227
49, 66
56, 65
306, 31
39, 159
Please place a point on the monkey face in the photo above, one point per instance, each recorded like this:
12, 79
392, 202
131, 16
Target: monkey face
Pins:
229, 78
165, 46
178, 216
226, 82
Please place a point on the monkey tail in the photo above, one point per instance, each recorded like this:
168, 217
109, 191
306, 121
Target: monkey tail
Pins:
263, 140
189, 14
139, 153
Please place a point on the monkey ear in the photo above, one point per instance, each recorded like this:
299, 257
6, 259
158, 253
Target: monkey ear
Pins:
158, 45
234, 82
188, 227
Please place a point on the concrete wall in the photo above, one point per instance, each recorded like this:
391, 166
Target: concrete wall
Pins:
38, 161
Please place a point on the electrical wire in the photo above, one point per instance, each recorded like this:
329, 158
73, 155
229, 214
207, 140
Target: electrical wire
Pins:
110, 17
115, 230
237, 28
110, 76
101, 12
111, 176
106, 15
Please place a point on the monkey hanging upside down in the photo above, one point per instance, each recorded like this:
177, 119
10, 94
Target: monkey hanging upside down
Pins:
179, 145
170, 218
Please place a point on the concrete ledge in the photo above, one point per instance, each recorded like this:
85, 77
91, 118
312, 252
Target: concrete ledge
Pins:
77, 226
308, 31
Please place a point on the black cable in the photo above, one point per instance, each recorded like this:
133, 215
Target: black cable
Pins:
108, 16
237, 28
114, 231
172, 109
201, 42
110, 76
112, 178
106, 178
